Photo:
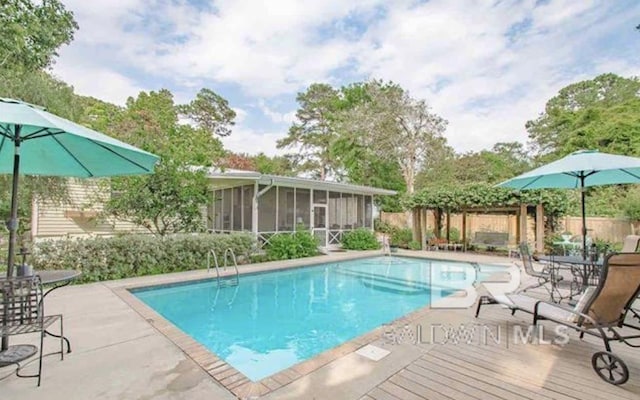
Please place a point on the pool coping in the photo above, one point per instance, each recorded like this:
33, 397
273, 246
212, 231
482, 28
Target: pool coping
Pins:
225, 374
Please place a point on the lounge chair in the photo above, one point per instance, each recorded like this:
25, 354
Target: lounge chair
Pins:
600, 312
631, 244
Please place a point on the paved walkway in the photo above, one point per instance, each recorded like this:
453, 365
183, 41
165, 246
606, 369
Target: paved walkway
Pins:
119, 355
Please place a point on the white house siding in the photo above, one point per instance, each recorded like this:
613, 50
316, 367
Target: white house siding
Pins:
55, 221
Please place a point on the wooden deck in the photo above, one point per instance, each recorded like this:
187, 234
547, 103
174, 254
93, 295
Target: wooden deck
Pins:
487, 370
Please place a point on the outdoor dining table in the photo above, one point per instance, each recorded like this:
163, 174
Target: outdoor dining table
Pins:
580, 267
57, 278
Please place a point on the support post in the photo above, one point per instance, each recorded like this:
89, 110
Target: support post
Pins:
522, 223
13, 220
540, 228
448, 225
254, 210
416, 228
464, 231
423, 228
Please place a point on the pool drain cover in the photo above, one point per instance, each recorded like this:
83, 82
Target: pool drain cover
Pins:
373, 352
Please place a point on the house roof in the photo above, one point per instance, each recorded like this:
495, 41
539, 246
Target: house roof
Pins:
235, 177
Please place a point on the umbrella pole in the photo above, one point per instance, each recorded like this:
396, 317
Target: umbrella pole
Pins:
584, 219
13, 220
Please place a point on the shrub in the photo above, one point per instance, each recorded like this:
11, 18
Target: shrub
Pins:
286, 246
136, 255
360, 239
382, 226
415, 245
401, 237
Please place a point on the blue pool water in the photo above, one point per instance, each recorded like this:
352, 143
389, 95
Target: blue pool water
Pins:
273, 320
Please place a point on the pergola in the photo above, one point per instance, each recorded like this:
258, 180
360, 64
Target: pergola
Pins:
420, 221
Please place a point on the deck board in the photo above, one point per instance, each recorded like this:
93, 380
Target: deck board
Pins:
509, 371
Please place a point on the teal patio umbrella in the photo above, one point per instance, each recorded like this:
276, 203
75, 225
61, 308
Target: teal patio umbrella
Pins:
578, 170
35, 142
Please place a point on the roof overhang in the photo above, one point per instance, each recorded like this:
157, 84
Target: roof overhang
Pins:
232, 178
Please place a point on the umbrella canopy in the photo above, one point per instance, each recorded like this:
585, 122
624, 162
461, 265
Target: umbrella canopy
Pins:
580, 169
54, 146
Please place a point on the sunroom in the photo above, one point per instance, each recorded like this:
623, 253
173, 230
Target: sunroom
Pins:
270, 204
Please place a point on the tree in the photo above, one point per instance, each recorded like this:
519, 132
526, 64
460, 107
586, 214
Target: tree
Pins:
502, 162
276, 165
395, 127
238, 161
31, 32
171, 199
313, 132
603, 113
211, 112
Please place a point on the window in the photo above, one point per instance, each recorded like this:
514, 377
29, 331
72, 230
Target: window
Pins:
267, 210
217, 209
237, 208
334, 210
368, 211
247, 206
285, 209
227, 201
320, 197
351, 210
359, 205
303, 204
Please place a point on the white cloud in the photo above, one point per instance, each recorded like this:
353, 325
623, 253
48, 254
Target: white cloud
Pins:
96, 81
486, 66
275, 116
247, 140
241, 114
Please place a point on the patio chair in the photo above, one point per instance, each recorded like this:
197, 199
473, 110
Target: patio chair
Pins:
544, 276
21, 312
600, 312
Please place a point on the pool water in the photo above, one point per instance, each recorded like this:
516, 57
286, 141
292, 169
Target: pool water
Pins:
273, 320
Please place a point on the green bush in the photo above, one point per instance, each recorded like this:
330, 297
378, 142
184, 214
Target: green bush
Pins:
360, 239
286, 246
126, 256
414, 245
382, 226
401, 237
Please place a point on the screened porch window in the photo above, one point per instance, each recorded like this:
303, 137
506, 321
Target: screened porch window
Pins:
334, 210
368, 211
303, 205
237, 208
285, 209
267, 210
227, 201
247, 206
217, 210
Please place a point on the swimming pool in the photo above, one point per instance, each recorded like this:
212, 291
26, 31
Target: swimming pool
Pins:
273, 320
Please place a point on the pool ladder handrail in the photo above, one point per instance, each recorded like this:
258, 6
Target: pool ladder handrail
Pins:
232, 281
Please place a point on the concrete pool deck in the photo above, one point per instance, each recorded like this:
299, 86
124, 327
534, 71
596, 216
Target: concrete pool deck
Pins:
119, 354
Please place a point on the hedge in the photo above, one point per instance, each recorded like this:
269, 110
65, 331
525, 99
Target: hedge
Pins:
127, 256
360, 239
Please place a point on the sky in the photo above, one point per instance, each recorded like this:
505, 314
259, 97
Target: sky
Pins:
486, 66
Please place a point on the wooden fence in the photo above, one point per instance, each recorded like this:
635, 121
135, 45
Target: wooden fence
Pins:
610, 229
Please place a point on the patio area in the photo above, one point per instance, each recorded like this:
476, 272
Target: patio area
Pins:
120, 354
